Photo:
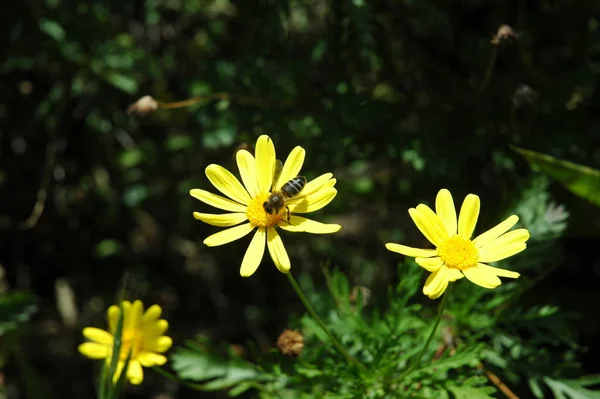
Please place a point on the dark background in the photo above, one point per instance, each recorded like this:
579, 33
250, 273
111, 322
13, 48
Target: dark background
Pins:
392, 97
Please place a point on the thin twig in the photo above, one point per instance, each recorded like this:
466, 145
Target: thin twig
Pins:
497, 382
223, 97
489, 71
42, 193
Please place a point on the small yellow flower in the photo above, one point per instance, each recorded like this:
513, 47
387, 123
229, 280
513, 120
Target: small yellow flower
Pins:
456, 255
246, 204
142, 335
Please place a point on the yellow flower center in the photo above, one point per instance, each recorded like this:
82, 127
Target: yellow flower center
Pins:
258, 216
458, 253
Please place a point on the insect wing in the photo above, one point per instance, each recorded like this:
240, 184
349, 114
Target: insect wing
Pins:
276, 173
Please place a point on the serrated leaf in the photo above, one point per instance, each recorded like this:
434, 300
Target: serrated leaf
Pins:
468, 392
16, 308
534, 385
581, 180
198, 364
570, 389
309, 370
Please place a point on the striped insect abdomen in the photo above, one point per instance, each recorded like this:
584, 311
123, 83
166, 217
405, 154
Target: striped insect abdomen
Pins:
294, 186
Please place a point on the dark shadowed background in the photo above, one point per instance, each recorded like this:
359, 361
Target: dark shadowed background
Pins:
397, 99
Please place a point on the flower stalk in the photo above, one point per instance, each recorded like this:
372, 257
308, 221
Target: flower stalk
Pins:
436, 324
340, 348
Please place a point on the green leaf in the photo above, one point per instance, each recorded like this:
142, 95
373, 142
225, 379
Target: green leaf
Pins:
578, 179
16, 308
572, 389
131, 158
197, 363
52, 29
135, 195
123, 82
467, 392
534, 385
107, 248
179, 142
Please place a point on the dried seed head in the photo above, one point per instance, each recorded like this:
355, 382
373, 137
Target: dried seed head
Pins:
524, 95
290, 342
504, 33
144, 106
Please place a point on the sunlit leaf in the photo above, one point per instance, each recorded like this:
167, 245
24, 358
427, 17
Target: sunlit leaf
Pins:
573, 389
197, 363
467, 392
580, 180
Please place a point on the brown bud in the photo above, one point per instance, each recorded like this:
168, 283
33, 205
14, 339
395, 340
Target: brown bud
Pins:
504, 33
290, 342
144, 106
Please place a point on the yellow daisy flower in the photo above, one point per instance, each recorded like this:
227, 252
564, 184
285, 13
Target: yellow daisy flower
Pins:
142, 335
456, 255
245, 204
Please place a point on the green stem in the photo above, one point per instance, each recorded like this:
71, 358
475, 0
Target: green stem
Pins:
314, 315
417, 360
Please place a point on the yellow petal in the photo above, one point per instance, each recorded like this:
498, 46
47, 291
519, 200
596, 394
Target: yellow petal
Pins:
453, 274
316, 184
133, 317
300, 224
314, 201
482, 277
277, 251
436, 284
467, 219
430, 264
113, 317
152, 314
159, 344
491, 253
499, 272
149, 359
98, 335
518, 236
410, 251
247, 166
227, 183
434, 220
135, 374
229, 235
118, 370
428, 228
223, 220
444, 207
254, 253
495, 232
94, 350
158, 328
291, 167
217, 201
114, 313
265, 163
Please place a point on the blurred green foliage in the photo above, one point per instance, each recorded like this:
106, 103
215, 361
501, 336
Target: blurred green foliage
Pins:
389, 96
